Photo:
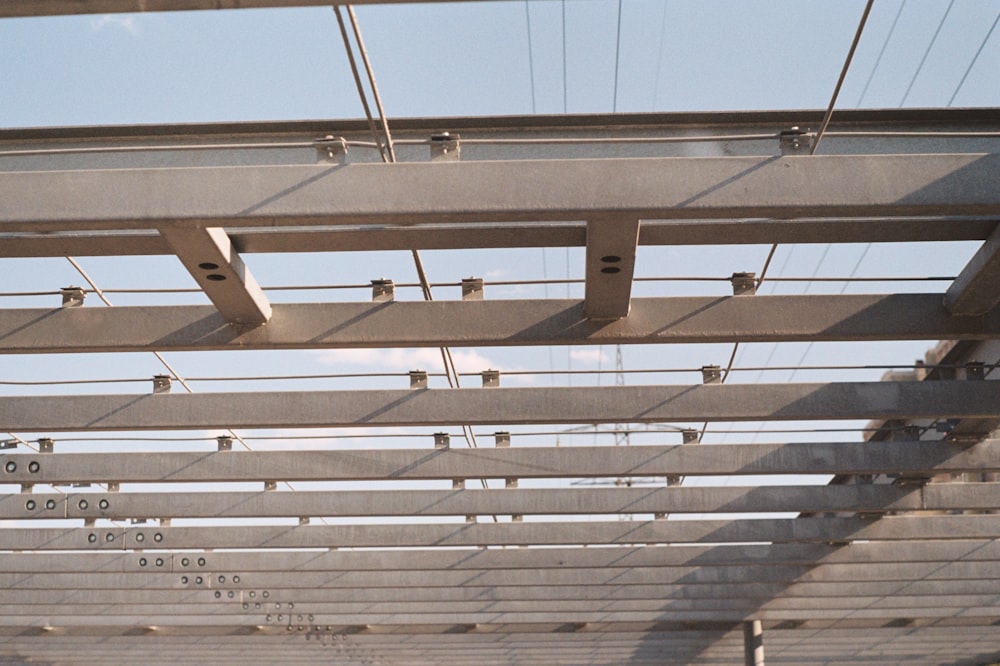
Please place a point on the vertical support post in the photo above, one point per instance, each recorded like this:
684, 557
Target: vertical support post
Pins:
753, 643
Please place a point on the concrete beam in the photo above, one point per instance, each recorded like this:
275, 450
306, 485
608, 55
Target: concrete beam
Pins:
514, 406
521, 501
976, 290
461, 236
876, 457
797, 530
532, 190
620, 557
492, 323
610, 265
209, 256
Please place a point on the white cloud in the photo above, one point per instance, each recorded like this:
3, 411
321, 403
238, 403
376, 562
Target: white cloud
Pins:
428, 359
589, 355
126, 23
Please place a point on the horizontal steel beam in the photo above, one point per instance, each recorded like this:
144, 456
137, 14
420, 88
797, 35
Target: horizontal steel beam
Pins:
492, 323
618, 404
461, 237
975, 292
15, 8
908, 458
798, 530
546, 190
929, 589
917, 550
487, 578
239, 609
879, 498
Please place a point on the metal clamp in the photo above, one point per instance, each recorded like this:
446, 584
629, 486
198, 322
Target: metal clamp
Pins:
442, 440
73, 297
472, 289
446, 147
383, 291
418, 379
711, 374
744, 284
795, 141
161, 384
491, 378
331, 149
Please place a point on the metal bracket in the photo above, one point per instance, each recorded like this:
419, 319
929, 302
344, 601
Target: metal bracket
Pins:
689, 436
472, 289
270, 485
491, 378
795, 141
383, 291
418, 379
744, 284
442, 440
161, 384
501, 439
45, 445
446, 147
303, 520
975, 370
331, 149
73, 297
113, 486
711, 374
458, 484
8, 444
225, 442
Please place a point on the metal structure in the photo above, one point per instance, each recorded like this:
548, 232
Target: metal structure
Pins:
895, 559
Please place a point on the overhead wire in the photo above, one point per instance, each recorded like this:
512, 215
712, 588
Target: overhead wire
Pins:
448, 361
975, 59
927, 52
618, 47
531, 54
881, 53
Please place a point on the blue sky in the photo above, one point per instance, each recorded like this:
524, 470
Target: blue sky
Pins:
475, 59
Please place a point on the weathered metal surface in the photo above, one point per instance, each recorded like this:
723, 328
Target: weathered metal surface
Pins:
493, 323
618, 404
882, 457
547, 190
520, 501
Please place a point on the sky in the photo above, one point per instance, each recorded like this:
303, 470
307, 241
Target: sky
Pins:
493, 58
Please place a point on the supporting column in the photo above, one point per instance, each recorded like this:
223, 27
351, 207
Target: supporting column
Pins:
753, 643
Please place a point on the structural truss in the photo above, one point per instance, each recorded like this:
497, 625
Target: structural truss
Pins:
878, 547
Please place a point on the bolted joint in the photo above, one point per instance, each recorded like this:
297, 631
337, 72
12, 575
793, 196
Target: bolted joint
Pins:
744, 284
491, 378
472, 289
225, 442
795, 141
711, 374
331, 149
72, 297
442, 440
161, 384
418, 379
446, 146
975, 370
383, 291
46, 445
